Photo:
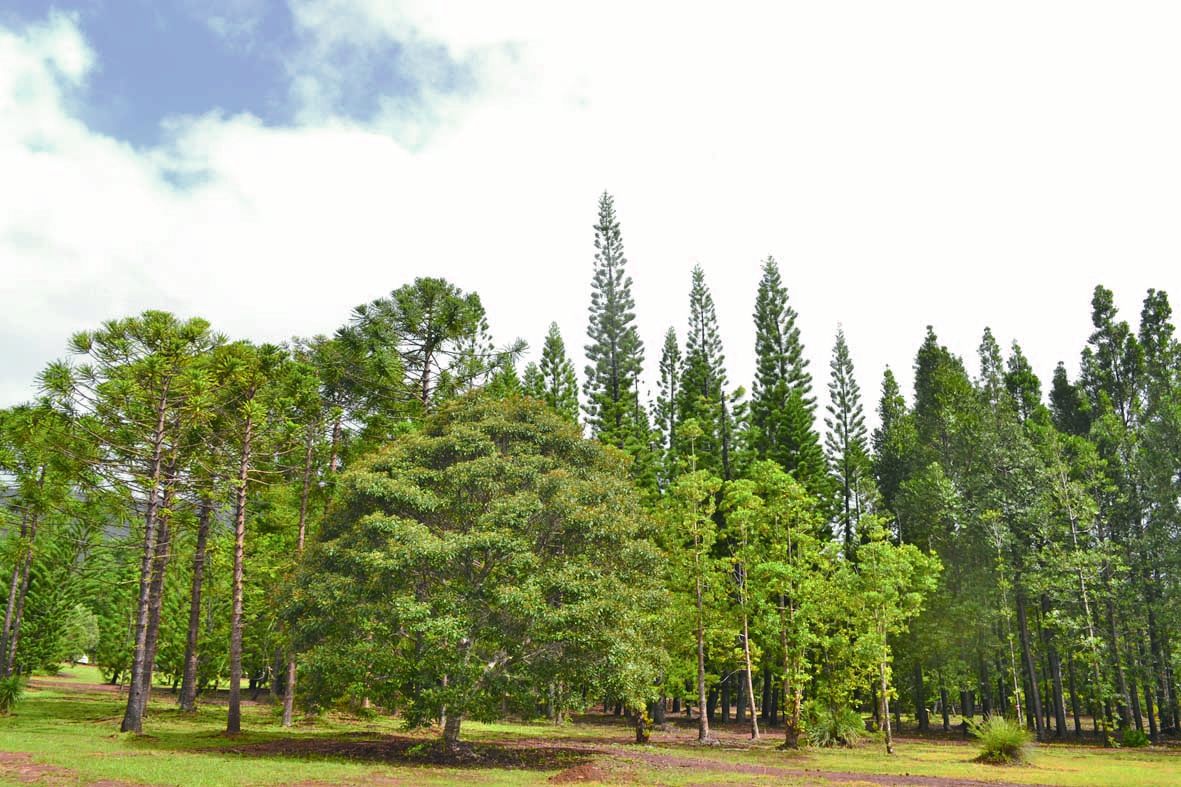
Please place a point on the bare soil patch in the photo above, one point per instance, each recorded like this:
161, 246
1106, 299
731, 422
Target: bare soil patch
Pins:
20, 767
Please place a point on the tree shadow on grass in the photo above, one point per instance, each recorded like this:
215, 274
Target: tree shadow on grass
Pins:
399, 750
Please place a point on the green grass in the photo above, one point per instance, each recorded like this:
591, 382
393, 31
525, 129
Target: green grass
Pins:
63, 725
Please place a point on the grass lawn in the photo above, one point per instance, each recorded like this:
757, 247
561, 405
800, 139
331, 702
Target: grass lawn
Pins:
65, 731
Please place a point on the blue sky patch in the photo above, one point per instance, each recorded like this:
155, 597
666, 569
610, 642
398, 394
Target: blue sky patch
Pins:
156, 60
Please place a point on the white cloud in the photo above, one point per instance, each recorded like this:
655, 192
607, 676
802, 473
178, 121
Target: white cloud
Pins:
907, 163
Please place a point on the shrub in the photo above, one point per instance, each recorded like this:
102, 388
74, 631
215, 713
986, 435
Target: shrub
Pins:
834, 727
11, 689
1002, 741
1133, 738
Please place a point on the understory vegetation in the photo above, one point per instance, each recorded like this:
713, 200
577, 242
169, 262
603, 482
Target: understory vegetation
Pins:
405, 523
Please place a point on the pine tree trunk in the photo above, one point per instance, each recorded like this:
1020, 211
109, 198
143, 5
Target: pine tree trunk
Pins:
10, 607
234, 718
703, 735
791, 695
1035, 701
188, 685
289, 685
1055, 672
920, 699
885, 698
1134, 694
1074, 704
765, 708
133, 716
19, 614
1159, 661
1153, 730
334, 448
749, 682
155, 604
1122, 702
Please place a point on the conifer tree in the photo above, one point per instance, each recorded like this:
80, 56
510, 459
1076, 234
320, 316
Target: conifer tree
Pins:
848, 453
783, 408
1023, 385
532, 383
1068, 405
559, 385
892, 440
703, 380
667, 397
615, 353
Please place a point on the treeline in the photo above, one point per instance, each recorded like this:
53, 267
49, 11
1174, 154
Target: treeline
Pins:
397, 516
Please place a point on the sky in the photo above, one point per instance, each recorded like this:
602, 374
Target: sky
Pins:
269, 165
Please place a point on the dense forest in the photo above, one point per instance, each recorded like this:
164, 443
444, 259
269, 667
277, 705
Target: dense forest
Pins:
398, 518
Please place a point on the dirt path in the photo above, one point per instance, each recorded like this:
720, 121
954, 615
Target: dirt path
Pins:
20, 767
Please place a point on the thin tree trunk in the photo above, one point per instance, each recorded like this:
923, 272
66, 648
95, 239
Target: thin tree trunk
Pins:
133, 716
1074, 705
19, 615
1035, 709
1055, 671
765, 708
334, 448
234, 718
1122, 705
289, 686
749, 680
10, 608
703, 735
1153, 730
188, 686
920, 699
885, 697
1134, 690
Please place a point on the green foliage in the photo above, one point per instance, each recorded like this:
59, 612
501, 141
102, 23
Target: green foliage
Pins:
783, 407
1133, 738
846, 444
702, 388
426, 341
1002, 740
12, 688
469, 566
559, 386
615, 352
827, 726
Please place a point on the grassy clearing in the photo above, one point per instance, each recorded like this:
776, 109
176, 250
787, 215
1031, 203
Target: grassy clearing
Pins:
70, 727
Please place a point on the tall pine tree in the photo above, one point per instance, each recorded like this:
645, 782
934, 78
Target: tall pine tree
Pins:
665, 409
848, 454
783, 409
615, 353
553, 381
703, 380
